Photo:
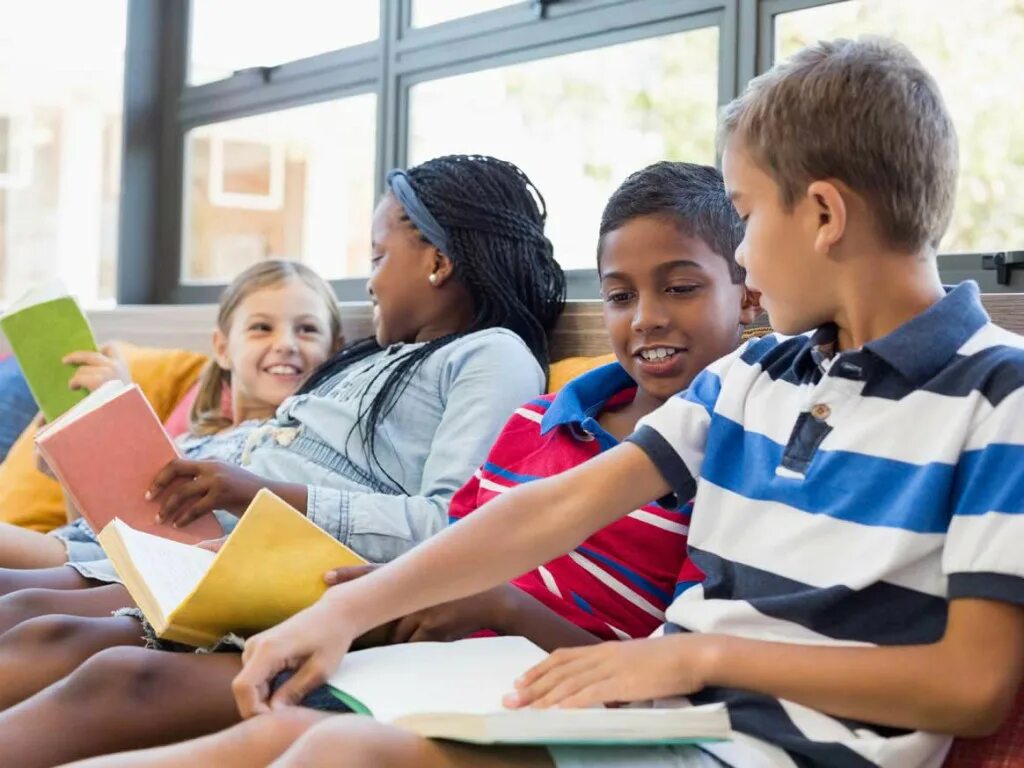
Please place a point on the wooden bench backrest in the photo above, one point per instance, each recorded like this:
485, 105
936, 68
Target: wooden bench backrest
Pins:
580, 331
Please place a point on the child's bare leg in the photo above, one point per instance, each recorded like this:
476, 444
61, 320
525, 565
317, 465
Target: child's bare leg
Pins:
122, 698
22, 548
57, 577
28, 604
254, 742
352, 740
40, 651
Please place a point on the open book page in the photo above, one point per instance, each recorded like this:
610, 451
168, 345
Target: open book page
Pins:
467, 676
98, 397
170, 570
39, 294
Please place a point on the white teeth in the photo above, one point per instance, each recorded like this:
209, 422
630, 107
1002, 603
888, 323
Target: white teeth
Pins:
283, 370
658, 353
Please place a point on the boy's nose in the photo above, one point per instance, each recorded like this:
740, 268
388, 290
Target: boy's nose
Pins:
648, 315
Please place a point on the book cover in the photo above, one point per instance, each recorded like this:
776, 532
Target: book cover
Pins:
42, 328
455, 690
106, 452
270, 568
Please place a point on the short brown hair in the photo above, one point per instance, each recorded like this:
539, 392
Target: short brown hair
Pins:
864, 112
207, 416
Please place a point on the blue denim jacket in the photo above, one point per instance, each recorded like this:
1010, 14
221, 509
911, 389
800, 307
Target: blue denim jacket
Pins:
427, 446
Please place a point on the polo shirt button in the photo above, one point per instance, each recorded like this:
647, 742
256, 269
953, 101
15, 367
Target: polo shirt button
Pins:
821, 411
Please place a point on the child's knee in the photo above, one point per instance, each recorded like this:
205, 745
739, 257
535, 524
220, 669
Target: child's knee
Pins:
42, 633
130, 676
364, 741
282, 727
25, 604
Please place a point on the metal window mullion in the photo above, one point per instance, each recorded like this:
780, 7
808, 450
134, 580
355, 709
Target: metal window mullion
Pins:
247, 93
607, 24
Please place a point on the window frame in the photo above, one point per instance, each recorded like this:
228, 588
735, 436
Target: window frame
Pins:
160, 108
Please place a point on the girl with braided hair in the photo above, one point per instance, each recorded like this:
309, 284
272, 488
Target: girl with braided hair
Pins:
465, 292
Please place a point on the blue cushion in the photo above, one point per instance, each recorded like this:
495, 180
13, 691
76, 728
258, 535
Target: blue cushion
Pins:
17, 406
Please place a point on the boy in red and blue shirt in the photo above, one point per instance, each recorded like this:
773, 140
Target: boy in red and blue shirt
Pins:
674, 301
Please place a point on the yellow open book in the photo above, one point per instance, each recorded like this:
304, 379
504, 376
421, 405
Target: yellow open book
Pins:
271, 567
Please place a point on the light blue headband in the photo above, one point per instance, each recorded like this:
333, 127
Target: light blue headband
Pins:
401, 187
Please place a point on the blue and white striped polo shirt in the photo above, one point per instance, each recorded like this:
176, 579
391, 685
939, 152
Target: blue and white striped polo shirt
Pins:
844, 499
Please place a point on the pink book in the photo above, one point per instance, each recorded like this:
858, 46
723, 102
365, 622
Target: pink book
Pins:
106, 451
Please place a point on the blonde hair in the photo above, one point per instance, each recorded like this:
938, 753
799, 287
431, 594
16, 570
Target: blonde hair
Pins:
207, 416
865, 112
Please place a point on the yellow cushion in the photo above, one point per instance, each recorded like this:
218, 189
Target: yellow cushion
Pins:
568, 369
32, 500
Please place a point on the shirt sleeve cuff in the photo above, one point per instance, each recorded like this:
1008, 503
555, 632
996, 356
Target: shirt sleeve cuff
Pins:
669, 464
328, 508
1001, 587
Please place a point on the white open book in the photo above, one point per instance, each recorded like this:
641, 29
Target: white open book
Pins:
455, 690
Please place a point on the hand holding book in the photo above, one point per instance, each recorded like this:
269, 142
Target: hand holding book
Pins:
187, 490
94, 369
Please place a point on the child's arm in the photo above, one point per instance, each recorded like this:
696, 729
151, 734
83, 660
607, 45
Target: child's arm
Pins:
963, 685
530, 524
506, 609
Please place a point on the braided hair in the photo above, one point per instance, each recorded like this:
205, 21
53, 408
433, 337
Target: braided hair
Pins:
493, 216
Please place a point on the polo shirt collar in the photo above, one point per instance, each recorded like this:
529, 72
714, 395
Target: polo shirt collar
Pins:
920, 347
583, 397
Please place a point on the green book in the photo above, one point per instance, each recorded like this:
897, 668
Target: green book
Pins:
454, 691
42, 327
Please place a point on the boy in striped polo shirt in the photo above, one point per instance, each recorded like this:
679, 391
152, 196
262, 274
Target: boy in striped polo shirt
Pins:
860, 482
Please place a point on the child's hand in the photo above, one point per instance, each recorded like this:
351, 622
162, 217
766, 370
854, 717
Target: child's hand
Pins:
455, 620
348, 573
190, 489
97, 368
312, 642
213, 545
623, 671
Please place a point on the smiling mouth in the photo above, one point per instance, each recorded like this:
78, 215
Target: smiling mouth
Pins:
283, 370
658, 354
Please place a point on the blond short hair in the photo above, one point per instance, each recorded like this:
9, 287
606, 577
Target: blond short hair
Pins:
864, 112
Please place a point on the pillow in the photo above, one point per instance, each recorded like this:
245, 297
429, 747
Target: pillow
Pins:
17, 406
30, 499
569, 368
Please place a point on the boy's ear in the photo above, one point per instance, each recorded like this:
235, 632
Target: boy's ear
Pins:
220, 349
829, 206
750, 308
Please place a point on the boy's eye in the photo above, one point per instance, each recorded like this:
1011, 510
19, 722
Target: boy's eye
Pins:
682, 289
309, 328
260, 327
617, 297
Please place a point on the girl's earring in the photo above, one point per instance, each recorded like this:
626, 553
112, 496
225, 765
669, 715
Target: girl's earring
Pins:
433, 278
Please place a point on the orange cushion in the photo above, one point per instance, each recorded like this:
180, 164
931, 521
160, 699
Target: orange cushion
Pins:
568, 369
32, 500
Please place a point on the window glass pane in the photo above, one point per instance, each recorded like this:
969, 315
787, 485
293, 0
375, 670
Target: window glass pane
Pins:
969, 48
579, 124
294, 184
427, 12
60, 144
228, 35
